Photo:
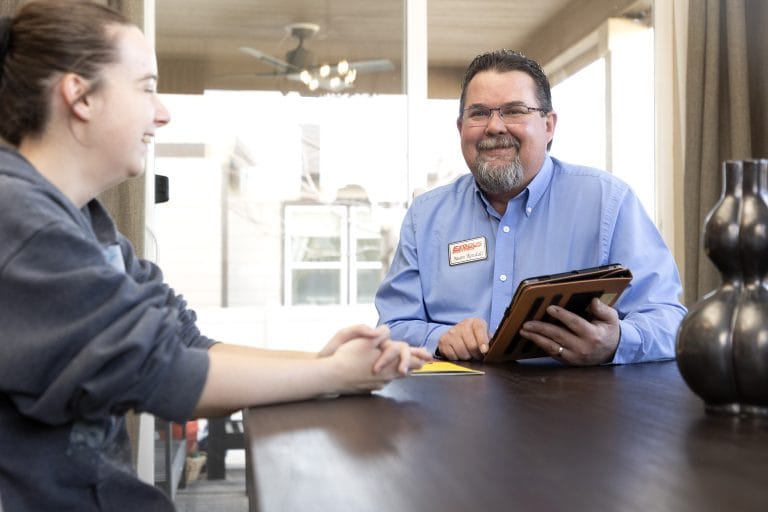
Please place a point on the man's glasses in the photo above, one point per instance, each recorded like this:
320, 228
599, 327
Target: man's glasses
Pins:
511, 113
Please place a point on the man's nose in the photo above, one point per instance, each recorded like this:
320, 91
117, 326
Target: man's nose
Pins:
495, 123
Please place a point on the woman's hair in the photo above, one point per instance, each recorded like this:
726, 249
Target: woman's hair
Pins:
44, 40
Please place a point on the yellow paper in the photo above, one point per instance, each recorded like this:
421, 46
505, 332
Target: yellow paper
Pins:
445, 368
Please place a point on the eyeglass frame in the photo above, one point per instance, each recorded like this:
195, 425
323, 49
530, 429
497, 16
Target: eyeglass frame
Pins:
529, 110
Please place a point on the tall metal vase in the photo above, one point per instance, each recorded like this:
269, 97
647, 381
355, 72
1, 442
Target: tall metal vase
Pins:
704, 347
750, 329
722, 343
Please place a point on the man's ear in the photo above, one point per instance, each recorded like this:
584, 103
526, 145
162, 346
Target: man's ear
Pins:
551, 123
74, 91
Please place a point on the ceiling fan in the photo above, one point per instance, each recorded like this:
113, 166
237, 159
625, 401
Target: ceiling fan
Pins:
301, 65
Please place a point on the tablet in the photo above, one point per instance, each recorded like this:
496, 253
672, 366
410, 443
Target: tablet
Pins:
572, 290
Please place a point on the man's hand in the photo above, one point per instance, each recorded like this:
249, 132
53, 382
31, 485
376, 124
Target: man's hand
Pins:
581, 342
466, 340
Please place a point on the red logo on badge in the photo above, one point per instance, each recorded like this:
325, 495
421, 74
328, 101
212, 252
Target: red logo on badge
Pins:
467, 247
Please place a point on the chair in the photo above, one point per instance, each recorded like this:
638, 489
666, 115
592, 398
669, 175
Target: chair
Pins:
223, 434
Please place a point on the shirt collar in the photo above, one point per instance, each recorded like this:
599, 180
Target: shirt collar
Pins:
539, 184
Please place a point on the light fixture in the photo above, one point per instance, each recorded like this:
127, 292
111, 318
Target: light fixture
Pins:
333, 78
349, 78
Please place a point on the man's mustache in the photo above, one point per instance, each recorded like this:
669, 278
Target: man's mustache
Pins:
498, 143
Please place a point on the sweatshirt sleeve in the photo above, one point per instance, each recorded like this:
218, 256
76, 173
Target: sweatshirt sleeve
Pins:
144, 271
81, 339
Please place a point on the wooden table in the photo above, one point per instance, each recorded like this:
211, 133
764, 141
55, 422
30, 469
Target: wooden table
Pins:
521, 437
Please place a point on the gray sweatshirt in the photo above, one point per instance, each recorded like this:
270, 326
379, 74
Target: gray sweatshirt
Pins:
87, 332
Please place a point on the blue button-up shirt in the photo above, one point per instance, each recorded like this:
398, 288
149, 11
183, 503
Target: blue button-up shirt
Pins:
569, 217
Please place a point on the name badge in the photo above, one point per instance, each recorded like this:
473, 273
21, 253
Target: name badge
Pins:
467, 251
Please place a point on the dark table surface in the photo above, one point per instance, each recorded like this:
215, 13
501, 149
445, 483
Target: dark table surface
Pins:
534, 437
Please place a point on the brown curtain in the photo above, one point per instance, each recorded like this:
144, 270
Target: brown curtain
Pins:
726, 114
8, 7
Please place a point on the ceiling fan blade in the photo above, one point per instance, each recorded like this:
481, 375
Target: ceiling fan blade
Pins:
281, 65
372, 66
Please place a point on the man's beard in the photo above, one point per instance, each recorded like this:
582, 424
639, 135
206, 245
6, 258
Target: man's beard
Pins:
496, 175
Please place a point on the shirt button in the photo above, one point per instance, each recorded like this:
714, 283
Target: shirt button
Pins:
528, 210
505, 229
502, 278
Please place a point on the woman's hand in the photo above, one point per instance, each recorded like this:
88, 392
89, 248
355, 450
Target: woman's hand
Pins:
376, 335
400, 356
369, 362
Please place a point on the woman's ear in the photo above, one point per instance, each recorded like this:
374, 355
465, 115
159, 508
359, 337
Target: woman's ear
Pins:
74, 92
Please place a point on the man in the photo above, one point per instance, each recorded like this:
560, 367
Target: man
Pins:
465, 247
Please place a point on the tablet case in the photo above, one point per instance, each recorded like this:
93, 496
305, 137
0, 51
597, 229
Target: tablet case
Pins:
572, 290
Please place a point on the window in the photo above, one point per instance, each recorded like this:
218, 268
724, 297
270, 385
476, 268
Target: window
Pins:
606, 108
332, 254
256, 225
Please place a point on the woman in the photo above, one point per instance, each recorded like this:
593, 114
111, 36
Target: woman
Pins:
90, 331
